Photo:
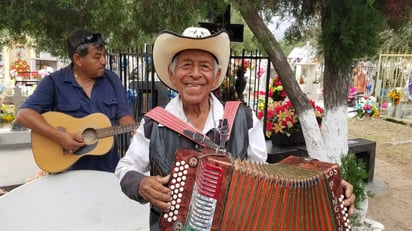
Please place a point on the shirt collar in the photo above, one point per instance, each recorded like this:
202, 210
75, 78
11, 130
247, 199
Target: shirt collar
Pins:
216, 111
69, 76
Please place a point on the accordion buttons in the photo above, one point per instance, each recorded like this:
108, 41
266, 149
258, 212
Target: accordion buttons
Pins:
180, 170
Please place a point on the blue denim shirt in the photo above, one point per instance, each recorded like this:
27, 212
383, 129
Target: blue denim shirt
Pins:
60, 92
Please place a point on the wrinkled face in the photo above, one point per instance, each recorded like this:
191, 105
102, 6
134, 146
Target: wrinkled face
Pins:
93, 64
194, 76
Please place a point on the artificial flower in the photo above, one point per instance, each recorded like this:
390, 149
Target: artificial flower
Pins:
276, 91
367, 107
281, 117
395, 96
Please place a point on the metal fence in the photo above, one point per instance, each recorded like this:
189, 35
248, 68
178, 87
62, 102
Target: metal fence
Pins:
246, 80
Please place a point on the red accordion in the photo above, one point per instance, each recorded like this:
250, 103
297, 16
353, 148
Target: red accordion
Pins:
210, 191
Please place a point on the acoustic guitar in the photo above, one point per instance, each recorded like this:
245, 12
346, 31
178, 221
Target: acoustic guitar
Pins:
95, 129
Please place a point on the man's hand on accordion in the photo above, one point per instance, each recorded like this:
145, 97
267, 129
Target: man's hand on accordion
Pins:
349, 197
153, 190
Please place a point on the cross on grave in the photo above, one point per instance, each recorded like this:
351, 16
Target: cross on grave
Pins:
18, 98
219, 22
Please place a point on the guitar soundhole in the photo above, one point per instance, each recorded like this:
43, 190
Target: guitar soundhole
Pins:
89, 136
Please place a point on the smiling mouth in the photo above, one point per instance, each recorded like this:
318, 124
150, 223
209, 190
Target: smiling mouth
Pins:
194, 85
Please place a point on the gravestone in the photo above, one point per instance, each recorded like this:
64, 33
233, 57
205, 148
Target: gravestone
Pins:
18, 98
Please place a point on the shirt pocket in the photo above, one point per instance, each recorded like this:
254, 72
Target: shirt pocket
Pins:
70, 108
111, 108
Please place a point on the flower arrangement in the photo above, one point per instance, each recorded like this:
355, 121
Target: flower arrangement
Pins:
367, 107
20, 68
276, 89
395, 96
7, 113
281, 117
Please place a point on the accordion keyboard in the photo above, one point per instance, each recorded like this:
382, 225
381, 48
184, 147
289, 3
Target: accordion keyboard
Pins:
204, 197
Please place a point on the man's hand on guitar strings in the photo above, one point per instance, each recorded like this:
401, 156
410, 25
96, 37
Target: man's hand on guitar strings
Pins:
153, 190
349, 197
71, 143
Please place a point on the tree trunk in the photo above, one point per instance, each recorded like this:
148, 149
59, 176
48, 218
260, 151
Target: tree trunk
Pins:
336, 86
314, 143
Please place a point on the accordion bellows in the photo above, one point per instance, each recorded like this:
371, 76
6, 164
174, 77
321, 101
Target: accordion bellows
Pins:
212, 192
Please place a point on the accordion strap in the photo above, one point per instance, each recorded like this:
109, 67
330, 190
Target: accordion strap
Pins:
169, 120
230, 114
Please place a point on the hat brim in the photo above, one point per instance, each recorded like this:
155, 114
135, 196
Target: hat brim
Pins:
168, 44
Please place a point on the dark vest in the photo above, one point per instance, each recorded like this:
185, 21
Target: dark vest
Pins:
164, 143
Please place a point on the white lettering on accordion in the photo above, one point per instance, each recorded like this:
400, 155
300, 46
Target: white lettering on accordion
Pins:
335, 201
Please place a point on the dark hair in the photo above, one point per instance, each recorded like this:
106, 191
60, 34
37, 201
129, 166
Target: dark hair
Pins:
79, 41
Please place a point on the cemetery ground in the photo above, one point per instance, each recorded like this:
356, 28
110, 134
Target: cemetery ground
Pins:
392, 184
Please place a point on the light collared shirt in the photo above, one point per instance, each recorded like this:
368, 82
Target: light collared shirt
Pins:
137, 156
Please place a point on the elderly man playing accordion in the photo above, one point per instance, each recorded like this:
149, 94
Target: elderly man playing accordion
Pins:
193, 64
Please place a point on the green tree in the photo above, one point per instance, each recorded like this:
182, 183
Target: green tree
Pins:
126, 23
397, 40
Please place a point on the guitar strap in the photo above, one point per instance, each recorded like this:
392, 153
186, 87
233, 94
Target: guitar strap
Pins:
169, 120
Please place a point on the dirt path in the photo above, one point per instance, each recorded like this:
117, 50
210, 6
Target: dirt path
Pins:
392, 185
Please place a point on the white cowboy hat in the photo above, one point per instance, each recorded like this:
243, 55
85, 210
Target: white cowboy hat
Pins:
168, 44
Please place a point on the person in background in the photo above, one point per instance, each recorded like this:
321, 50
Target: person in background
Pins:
193, 64
82, 88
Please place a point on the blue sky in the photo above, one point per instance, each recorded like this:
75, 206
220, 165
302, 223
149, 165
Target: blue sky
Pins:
280, 30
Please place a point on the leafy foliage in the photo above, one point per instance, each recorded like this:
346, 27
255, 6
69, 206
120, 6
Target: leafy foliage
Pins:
353, 170
397, 41
351, 30
397, 12
125, 23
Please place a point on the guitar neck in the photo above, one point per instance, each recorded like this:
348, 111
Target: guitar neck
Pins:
115, 130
